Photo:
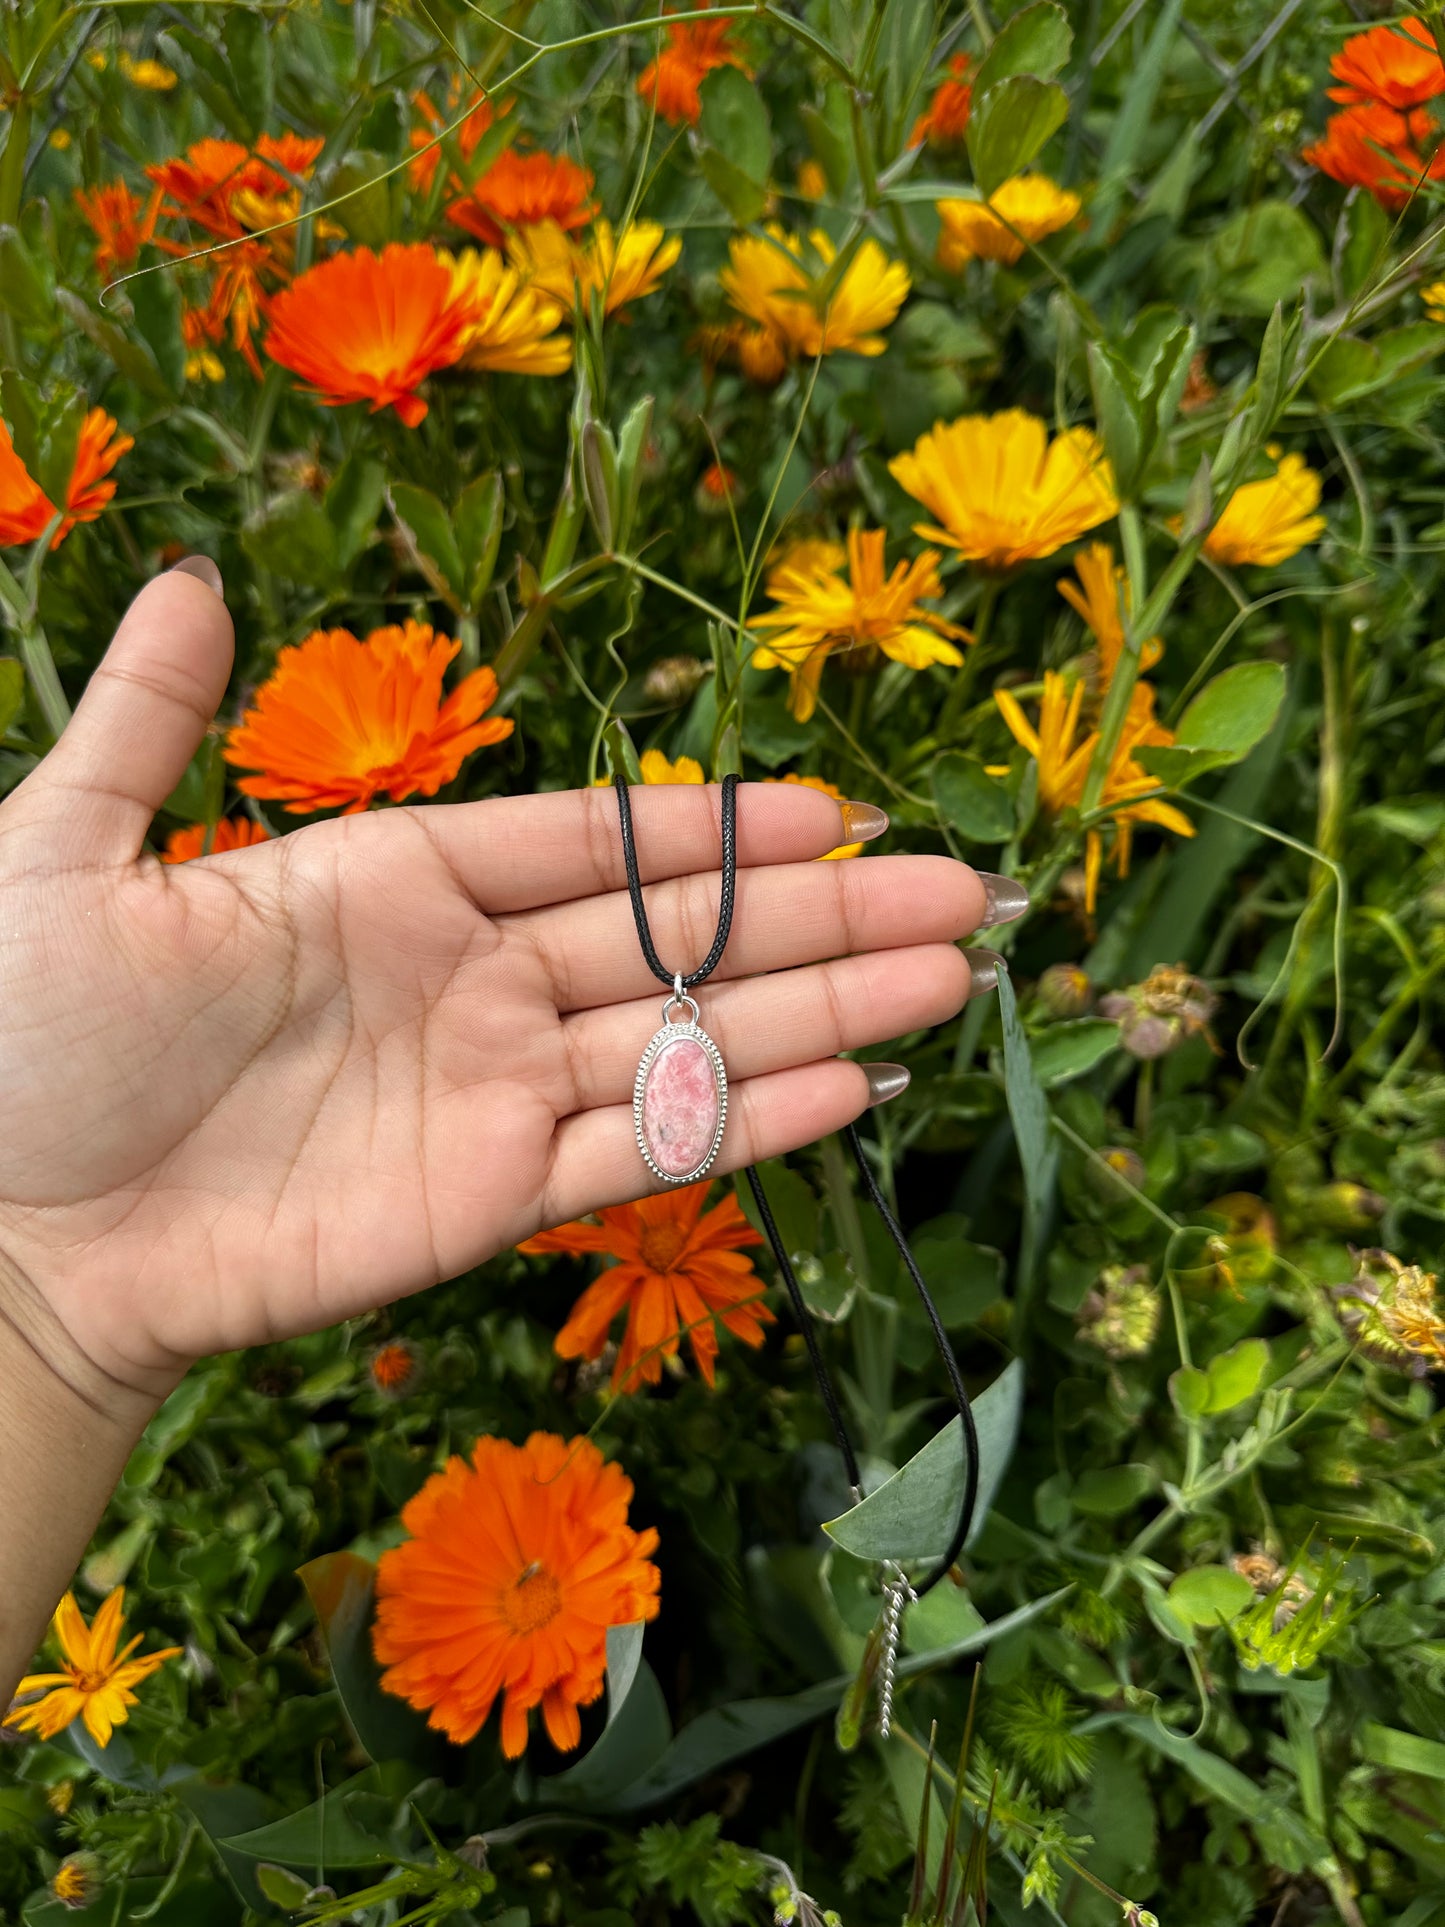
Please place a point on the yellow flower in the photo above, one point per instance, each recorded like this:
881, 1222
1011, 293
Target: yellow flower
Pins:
1269, 521
150, 74
821, 610
1101, 597
1063, 761
95, 1681
1024, 209
812, 185
76, 1882
828, 789
811, 554
1002, 490
791, 301
621, 268
510, 328
60, 139
657, 769
1434, 299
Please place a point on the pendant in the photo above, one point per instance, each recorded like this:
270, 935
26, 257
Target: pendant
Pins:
680, 1097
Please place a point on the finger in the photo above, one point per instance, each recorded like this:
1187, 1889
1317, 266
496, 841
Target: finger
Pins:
141, 718
773, 1023
595, 1158
519, 852
785, 914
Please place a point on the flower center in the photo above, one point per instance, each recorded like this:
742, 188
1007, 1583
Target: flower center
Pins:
661, 1246
533, 1600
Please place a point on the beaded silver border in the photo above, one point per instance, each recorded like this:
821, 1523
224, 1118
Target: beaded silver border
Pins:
670, 1034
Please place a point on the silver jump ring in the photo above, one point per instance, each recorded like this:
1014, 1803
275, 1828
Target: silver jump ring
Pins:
679, 996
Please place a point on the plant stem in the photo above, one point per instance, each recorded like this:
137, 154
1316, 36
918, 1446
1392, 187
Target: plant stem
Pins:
973, 657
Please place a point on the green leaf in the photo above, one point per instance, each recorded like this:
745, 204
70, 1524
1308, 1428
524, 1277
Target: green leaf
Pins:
1129, 125
292, 536
744, 198
26, 290
1271, 377
1242, 1792
636, 1737
342, 1588
480, 514
1120, 416
60, 428
1234, 711
1236, 1375
792, 1203
1210, 1595
631, 446
353, 502
726, 1733
428, 526
1265, 254
735, 123
1009, 126
369, 211
1029, 1111
155, 300
131, 358
24, 412
912, 1515
976, 804
1069, 1049
1106, 1492
598, 453
1402, 1752
248, 47
285, 1888
1036, 41
351, 1826
12, 691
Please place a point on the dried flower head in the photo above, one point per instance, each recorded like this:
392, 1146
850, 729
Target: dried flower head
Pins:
1391, 1311
1155, 1017
1120, 1316
673, 679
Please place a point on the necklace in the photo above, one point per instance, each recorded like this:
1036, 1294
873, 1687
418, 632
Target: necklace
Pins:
679, 1108
680, 1094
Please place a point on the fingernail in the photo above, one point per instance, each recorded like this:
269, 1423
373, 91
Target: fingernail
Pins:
1003, 899
203, 569
885, 1080
861, 823
983, 968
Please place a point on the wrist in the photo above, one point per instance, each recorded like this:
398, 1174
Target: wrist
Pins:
51, 1381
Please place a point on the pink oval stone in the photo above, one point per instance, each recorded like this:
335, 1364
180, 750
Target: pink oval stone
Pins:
680, 1107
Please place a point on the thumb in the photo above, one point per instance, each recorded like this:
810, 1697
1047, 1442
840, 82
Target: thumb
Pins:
142, 717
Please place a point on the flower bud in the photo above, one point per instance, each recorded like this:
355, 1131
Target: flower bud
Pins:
1064, 990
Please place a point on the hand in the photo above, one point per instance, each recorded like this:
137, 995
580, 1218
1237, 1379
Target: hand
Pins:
259, 1092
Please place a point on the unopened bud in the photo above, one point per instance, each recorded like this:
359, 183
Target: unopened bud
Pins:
1064, 990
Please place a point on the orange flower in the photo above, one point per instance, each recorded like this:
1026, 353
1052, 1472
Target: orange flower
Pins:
395, 1368
516, 1566
694, 48
204, 187
371, 327
25, 509
945, 122
341, 722
1397, 65
479, 118
121, 222
678, 1270
1351, 151
231, 833
520, 190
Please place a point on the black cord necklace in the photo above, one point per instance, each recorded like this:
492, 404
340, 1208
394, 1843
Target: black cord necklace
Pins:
676, 1115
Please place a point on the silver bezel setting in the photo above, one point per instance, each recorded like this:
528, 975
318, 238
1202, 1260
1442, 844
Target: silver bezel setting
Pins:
672, 1034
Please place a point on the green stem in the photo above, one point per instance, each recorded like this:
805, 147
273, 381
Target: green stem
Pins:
872, 1321
963, 681
44, 680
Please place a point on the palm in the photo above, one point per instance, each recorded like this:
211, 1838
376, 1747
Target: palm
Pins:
254, 1094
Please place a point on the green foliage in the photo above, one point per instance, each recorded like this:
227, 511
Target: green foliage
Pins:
1202, 1588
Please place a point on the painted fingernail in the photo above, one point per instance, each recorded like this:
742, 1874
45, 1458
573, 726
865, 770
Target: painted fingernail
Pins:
861, 823
983, 969
885, 1080
1003, 899
203, 569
